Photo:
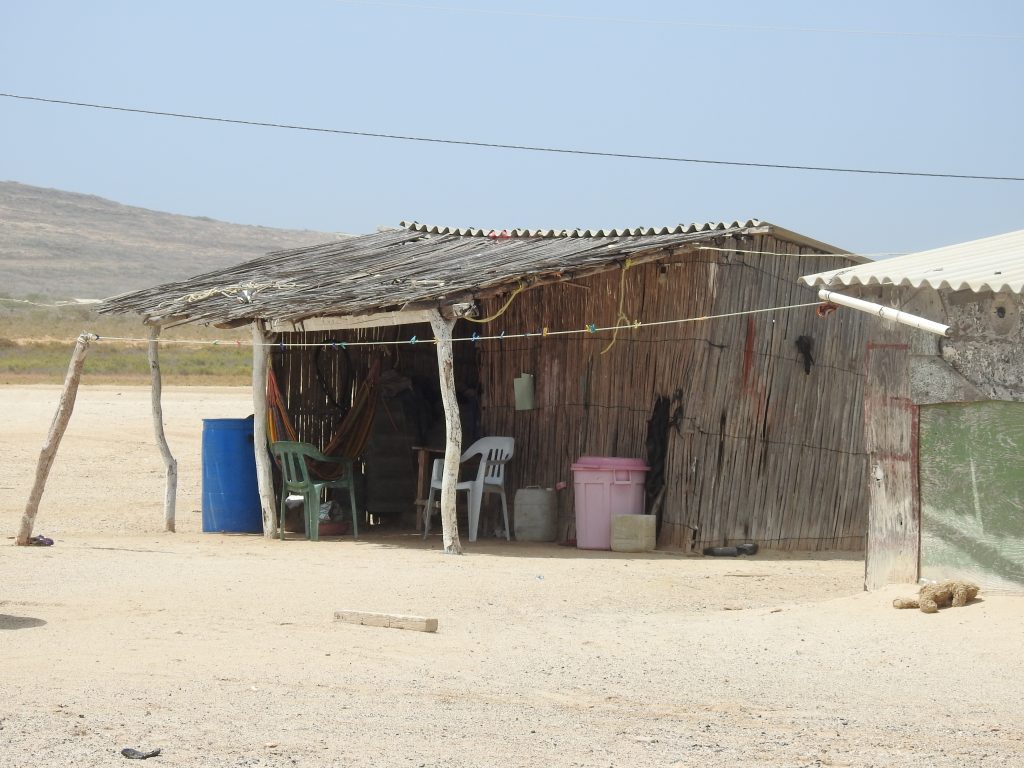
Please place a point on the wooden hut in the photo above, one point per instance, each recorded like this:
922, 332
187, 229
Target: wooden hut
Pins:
758, 434
944, 416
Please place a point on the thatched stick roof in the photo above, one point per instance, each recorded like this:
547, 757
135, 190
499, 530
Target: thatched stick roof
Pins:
412, 267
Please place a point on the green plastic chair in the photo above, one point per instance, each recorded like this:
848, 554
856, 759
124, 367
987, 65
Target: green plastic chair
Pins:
295, 479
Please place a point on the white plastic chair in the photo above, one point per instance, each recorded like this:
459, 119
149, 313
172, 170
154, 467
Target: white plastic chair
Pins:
494, 453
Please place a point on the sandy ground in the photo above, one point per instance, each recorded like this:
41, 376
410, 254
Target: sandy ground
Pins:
222, 650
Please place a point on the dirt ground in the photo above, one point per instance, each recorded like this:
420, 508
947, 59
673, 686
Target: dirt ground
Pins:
222, 650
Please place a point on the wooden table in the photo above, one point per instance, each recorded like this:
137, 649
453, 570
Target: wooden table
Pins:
423, 465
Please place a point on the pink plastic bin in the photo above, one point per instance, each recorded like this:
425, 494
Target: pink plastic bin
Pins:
605, 486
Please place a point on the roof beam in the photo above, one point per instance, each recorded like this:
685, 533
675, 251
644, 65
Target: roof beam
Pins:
347, 322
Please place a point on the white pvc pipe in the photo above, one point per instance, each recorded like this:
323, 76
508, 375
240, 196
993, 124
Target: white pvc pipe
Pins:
886, 313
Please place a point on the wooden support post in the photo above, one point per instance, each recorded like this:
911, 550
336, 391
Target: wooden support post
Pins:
264, 472
171, 487
890, 437
53, 438
453, 432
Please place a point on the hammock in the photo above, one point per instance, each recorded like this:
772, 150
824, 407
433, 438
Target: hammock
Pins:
352, 433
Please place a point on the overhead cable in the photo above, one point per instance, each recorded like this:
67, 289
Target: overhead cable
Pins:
521, 147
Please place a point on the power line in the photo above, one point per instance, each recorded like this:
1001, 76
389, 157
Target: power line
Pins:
682, 23
520, 147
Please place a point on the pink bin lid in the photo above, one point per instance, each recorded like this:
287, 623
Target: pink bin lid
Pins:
610, 462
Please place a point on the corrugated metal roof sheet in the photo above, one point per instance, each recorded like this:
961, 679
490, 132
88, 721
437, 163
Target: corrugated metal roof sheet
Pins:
679, 229
990, 264
413, 267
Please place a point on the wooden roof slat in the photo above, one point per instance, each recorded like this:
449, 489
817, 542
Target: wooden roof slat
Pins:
397, 268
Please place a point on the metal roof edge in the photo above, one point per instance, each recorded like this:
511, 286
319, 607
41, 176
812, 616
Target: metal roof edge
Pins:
709, 227
809, 242
991, 263
753, 226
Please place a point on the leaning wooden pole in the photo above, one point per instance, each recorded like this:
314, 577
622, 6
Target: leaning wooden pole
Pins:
170, 463
53, 438
264, 472
453, 432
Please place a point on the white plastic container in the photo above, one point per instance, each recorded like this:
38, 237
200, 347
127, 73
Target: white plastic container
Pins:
634, 533
536, 514
524, 392
605, 486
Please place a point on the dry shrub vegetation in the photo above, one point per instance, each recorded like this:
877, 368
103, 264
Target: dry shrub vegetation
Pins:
36, 343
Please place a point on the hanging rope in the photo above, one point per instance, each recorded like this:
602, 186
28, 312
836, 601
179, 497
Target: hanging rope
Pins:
501, 311
621, 319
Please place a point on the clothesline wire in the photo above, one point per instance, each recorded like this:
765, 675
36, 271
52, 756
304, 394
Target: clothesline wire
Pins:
589, 330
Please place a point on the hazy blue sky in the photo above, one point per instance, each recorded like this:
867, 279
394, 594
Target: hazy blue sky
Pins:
949, 102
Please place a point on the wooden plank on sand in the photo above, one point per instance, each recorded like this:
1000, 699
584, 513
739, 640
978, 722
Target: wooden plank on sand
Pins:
395, 621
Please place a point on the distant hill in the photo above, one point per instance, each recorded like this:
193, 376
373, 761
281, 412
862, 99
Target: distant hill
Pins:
68, 245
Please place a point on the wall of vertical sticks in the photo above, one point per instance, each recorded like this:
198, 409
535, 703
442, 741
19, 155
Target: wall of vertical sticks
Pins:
758, 449
318, 382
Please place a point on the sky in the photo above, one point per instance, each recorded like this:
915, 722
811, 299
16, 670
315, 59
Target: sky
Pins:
919, 85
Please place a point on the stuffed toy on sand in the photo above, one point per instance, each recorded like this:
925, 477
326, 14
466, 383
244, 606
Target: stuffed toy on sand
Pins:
931, 597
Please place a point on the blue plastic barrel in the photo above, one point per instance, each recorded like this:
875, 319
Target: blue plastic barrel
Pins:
231, 497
